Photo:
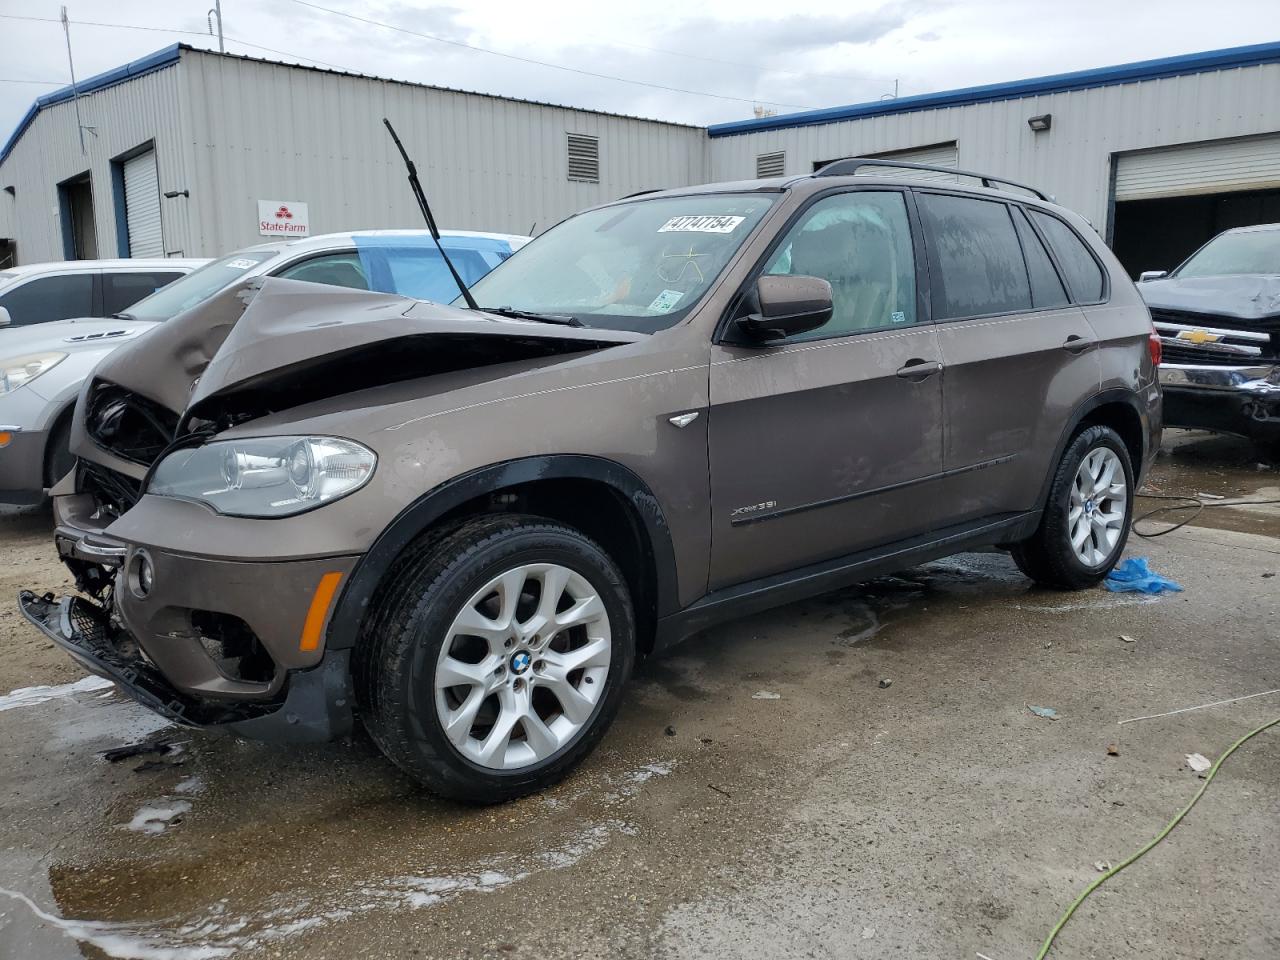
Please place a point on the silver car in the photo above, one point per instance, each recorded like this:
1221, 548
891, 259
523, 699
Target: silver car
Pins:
42, 367
43, 292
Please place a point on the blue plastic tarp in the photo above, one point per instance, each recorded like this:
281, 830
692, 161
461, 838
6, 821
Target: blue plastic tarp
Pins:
1135, 576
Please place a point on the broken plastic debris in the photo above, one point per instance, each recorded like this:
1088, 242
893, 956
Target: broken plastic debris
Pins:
1047, 712
766, 695
868, 933
1198, 762
1135, 576
1128, 639
1102, 866
886, 683
116, 754
154, 819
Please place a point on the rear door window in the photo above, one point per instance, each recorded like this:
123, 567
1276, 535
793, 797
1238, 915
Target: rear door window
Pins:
1046, 286
976, 264
1083, 274
122, 290
50, 298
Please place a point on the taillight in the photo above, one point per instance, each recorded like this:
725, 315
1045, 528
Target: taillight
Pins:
1155, 347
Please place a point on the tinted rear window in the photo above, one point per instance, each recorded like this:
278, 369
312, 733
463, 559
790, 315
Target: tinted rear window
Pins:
1046, 287
50, 298
121, 290
1084, 276
976, 264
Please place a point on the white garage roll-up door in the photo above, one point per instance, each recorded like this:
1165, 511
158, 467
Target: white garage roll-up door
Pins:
142, 205
935, 155
1218, 166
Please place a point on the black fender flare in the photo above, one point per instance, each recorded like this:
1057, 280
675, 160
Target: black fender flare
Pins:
361, 585
1106, 397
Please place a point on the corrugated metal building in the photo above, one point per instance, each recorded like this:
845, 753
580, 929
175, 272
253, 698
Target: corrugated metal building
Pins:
1160, 155
225, 133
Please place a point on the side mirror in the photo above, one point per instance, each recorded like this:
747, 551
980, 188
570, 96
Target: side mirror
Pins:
788, 305
1146, 275
5, 319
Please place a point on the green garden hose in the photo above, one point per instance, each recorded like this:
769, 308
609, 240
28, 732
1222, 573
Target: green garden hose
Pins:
1099, 881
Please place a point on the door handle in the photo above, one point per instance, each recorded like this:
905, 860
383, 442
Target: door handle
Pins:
917, 369
1077, 344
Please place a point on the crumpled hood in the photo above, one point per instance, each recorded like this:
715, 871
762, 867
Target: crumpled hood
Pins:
1250, 299
270, 344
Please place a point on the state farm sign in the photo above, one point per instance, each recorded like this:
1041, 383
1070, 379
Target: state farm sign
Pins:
283, 217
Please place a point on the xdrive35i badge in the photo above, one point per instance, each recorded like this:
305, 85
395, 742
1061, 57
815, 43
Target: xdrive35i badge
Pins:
754, 508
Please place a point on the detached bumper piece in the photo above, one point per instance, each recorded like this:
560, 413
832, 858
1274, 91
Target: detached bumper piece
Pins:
1241, 400
85, 631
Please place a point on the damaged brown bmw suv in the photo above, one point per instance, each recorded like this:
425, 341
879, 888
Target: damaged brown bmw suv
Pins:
295, 505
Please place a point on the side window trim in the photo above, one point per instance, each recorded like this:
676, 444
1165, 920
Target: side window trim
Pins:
723, 331
1053, 255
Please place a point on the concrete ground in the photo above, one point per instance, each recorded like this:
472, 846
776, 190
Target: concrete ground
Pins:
761, 794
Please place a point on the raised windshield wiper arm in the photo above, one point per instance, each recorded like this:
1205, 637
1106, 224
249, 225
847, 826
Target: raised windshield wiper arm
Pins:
563, 319
416, 186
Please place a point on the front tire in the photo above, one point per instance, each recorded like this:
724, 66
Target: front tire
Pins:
496, 658
1087, 516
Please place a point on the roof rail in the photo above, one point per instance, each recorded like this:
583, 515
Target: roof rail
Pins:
847, 166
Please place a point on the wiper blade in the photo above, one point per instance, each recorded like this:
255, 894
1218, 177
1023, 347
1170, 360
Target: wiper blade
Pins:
563, 319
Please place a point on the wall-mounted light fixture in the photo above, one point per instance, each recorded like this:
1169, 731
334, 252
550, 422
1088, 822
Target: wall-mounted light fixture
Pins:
1041, 123
173, 194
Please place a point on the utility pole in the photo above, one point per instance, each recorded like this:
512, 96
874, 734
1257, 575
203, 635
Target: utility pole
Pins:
75, 91
215, 13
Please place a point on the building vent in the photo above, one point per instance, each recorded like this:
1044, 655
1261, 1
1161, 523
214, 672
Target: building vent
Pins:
771, 164
584, 158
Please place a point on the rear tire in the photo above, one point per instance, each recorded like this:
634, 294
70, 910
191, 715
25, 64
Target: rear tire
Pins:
1087, 516
496, 657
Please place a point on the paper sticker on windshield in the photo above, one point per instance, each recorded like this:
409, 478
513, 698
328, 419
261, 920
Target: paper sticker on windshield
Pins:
898, 316
701, 225
241, 264
666, 301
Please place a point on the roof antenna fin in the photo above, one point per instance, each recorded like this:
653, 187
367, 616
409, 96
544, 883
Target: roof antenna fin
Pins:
421, 197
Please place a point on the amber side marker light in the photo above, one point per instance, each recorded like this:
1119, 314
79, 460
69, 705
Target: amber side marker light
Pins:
320, 602
5, 437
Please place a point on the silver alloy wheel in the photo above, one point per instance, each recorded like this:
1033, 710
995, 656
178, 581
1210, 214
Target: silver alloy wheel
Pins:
1099, 503
523, 666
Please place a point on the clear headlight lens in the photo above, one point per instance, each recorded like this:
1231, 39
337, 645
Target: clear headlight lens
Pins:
18, 371
264, 476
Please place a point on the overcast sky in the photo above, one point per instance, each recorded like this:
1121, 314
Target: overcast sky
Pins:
742, 51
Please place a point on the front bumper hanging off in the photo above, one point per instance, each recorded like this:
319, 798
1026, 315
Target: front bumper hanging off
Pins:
315, 705
1240, 400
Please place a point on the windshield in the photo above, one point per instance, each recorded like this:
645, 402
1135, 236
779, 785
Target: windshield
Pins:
1255, 251
635, 266
185, 292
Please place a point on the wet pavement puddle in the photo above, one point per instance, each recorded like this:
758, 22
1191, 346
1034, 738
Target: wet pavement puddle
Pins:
161, 916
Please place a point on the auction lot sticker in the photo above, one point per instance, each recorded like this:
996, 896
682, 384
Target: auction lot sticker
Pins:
701, 225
